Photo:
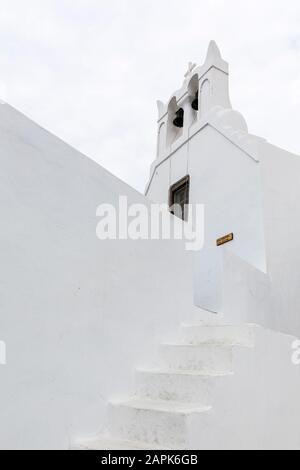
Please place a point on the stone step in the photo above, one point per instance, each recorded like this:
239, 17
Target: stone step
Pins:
178, 386
154, 422
206, 358
106, 442
243, 335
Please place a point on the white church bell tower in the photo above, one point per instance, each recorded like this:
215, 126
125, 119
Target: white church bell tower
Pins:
205, 155
204, 88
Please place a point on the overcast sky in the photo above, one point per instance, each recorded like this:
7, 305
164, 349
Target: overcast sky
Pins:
91, 71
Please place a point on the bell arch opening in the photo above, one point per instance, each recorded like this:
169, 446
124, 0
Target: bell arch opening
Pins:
175, 121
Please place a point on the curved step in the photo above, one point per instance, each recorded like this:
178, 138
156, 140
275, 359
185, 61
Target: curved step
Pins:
209, 358
240, 335
155, 422
106, 442
179, 386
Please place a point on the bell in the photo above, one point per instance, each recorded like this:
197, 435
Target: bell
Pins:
195, 103
178, 121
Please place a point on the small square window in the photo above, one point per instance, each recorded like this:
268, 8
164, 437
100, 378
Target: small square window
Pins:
179, 198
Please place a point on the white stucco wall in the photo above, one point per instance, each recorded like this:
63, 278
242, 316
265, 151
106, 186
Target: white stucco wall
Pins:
272, 298
227, 181
280, 172
76, 314
256, 277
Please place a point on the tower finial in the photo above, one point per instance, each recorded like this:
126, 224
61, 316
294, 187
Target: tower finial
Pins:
213, 52
191, 67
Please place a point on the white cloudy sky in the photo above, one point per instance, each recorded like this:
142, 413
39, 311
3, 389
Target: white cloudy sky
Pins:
91, 70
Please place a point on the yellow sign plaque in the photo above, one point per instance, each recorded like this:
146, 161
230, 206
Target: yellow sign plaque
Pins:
226, 239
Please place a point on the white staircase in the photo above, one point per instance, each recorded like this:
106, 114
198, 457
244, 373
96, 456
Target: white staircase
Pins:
170, 395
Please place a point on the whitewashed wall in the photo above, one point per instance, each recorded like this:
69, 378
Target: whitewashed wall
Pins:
227, 181
271, 299
258, 200
77, 314
281, 202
